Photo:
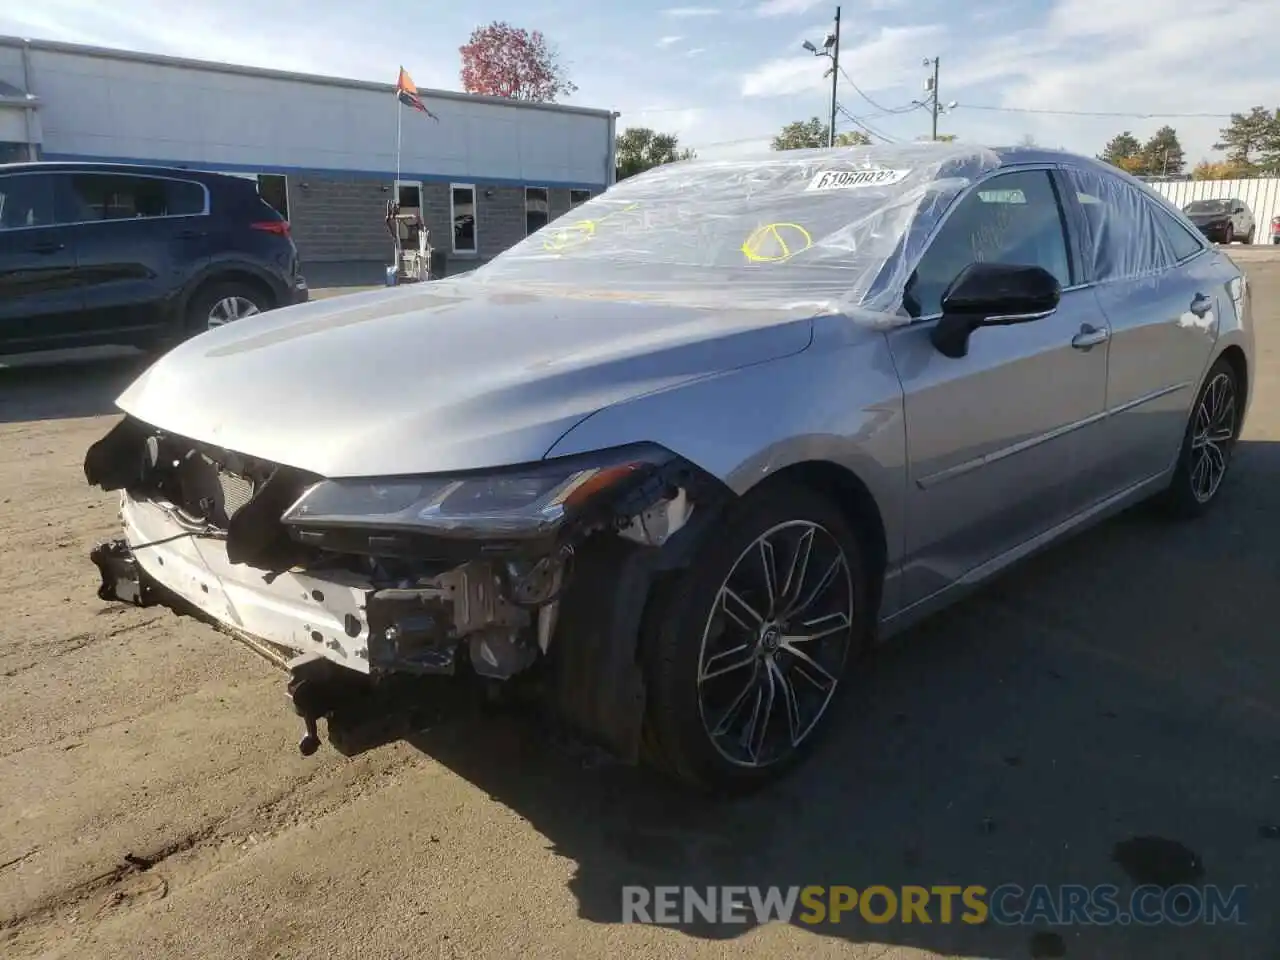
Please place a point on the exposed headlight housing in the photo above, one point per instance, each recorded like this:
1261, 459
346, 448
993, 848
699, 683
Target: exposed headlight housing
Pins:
527, 501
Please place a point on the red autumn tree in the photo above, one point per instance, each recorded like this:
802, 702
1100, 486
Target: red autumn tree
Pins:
505, 61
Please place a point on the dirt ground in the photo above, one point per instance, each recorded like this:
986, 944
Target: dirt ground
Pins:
153, 802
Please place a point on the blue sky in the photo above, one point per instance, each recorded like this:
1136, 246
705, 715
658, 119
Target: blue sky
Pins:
726, 75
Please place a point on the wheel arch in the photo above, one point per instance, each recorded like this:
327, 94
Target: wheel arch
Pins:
231, 273
853, 497
1235, 356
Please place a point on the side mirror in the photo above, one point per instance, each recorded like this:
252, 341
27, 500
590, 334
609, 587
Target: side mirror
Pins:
992, 295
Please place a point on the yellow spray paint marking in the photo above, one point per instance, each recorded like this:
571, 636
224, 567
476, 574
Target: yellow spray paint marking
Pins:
580, 233
568, 237
775, 242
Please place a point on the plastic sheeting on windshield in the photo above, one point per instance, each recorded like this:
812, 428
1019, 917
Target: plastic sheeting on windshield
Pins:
815, 230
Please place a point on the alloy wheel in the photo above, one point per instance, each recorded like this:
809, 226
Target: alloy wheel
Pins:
1212, 437
775, 644
231, 308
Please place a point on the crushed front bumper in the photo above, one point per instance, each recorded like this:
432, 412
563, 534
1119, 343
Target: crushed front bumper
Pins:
292, 612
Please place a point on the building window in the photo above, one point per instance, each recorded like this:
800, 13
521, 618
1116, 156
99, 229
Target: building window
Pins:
409, 194
537, 209
578, 197
463, 204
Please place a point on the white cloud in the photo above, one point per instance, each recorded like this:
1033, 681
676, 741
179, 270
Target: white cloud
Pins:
695, 51
668, 41
686, 12
785, 8
1103, 56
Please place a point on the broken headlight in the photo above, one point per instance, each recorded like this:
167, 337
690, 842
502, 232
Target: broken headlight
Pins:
525, 501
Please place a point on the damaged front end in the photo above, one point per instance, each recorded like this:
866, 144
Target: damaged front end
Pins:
538, 570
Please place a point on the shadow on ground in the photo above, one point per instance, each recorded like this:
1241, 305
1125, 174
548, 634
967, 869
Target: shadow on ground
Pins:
65, 385
1120, 686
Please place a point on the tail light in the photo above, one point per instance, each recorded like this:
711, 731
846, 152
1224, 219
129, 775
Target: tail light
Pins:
279, 227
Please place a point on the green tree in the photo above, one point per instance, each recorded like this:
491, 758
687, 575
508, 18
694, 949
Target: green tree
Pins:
1123, 151
1162, 154
639, 149
1251, 140
803, 134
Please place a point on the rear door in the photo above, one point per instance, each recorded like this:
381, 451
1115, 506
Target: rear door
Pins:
139, 238
1157, 283
39, 299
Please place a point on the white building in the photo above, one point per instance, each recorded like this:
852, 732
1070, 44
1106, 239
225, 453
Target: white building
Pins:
323, 149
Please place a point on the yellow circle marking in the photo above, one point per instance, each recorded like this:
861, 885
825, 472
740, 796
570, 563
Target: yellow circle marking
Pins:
775, 242
570, 236
580, 233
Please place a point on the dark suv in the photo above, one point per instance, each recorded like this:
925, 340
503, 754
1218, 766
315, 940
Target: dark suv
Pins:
101, 253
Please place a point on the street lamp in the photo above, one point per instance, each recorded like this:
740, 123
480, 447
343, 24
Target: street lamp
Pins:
831, 49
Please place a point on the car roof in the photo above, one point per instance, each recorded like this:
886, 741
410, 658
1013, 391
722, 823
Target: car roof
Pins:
96, 166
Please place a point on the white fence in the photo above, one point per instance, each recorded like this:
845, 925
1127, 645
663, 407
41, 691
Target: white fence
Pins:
1261, 195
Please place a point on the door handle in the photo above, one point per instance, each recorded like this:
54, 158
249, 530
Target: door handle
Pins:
48, 246
1090, 336
191, 234
1201, 305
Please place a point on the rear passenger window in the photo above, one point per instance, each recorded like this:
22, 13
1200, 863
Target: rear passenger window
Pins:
99, 196
26, 200
1183, 243
1124, 239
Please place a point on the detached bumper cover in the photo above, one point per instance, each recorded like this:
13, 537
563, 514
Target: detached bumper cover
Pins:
293, 610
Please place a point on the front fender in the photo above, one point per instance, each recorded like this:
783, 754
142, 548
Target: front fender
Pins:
838, 402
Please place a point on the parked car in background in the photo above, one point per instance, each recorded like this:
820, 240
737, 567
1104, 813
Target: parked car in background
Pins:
675, 460
97, 253
1222, 221
1275, 229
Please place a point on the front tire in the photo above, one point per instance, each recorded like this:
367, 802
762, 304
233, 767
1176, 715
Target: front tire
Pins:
1207, 445
745, 656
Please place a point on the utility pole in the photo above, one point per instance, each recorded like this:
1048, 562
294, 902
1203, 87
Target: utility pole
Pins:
934, 102
831, 50
835, 79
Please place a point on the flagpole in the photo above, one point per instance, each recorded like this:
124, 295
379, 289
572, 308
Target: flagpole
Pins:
395, 186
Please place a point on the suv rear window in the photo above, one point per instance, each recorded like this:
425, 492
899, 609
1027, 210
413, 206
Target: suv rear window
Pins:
112, 196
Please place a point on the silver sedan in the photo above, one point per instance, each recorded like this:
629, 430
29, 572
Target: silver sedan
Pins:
675, 461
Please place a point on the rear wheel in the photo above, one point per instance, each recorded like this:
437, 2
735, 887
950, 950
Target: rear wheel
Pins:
1248, 237
223, 302
1228, 235
1207, 446
746, 656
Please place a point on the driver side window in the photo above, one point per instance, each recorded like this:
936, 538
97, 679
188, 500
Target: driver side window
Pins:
1014, 218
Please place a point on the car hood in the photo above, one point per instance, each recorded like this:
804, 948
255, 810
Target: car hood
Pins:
446, 376
1204, 219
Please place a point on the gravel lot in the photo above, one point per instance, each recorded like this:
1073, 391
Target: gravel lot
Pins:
153, 802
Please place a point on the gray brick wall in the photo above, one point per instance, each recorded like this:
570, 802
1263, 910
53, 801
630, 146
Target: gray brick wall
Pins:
342, 218
339, 218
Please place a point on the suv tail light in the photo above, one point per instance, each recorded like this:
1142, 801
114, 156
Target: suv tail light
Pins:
279, 227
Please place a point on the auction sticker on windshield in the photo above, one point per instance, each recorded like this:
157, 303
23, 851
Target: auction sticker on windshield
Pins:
844, 179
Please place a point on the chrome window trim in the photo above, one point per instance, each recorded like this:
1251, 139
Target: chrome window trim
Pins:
103, 173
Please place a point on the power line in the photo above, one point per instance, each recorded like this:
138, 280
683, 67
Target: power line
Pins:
885, 110
1096, 113
863, 125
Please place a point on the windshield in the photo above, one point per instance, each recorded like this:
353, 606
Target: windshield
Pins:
812, 228
1208, 206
